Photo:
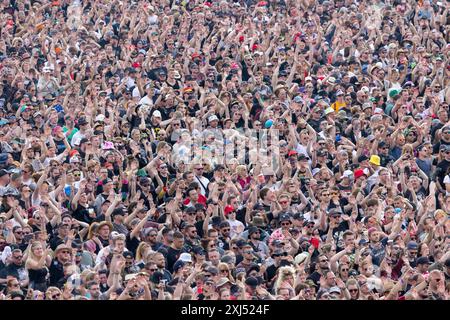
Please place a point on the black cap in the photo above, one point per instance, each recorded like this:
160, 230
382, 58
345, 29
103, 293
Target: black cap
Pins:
252, 267
362, 158
190, 210
423, 260
308, 222
252, 282
241, 243
382, 144
302, 157
199, 207
3, 172
215, 221
198, 250
285, 217
298, 216
128, 254
252, 230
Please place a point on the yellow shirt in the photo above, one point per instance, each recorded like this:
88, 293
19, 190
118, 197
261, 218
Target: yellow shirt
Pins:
337, 105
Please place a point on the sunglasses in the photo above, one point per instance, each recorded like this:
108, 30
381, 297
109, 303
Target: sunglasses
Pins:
284, 224
284, 254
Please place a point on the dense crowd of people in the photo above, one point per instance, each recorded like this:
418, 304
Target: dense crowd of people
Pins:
217, 150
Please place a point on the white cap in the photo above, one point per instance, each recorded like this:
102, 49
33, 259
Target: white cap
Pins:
185, 257
346, 174
308, 78
329, 110
100, 118
74, 159
365, 89
315, 171
212, 118
157, 114
300, 258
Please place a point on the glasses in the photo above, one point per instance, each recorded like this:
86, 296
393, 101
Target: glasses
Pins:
199, 168
284, 224
284, 254
55, 296
21, 232
248, 251
65, 251
352, 290
284, 202
344, 270
224, 271
226, 230
18, 257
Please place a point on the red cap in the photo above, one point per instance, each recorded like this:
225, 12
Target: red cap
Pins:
254, 47
292, 153
136, 65
358, 173
241, 39
73, 152
228, 209
195, 55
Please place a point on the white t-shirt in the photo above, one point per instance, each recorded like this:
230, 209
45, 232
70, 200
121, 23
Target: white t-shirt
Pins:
447, 181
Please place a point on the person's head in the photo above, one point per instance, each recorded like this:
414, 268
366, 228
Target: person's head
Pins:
225, 229
53, 293
63, 253
323, 262
103, 230
214, 256
224, 294
353, 289
94, 289
118, 241
435, 278
178, 240
17, 257
18, 233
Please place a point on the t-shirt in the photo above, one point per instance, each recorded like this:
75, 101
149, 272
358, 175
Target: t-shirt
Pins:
172, 257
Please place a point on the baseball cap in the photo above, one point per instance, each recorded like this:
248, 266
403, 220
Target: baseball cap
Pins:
252, 282
423, 260
285, 217
412, 245
157, 114
346, 174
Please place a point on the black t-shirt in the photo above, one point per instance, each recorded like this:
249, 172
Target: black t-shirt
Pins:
337, 235
56, 272
132, 244
172, 257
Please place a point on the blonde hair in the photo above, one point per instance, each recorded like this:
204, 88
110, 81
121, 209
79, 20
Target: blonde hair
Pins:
30, 254
92, 230
407, 148
223, 265
283, 272
140, 251
241, 168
